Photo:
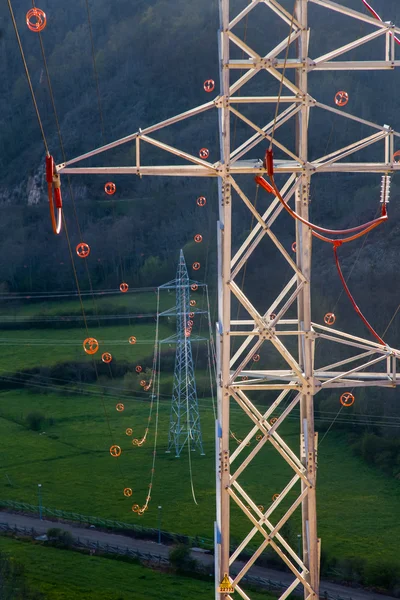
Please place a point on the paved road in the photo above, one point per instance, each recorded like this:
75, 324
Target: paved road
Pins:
145, 546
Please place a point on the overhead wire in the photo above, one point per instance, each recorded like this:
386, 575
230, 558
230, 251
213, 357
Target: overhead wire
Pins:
96, 77
70, 293
188, 423
363, 230
80, 234
283, 75
28, 77
155, 384
102, 121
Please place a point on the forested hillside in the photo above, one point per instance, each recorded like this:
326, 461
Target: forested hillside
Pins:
152, 57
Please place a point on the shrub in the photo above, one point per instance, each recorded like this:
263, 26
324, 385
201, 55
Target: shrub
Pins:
383, 575
35, 420
60, 537
181, 559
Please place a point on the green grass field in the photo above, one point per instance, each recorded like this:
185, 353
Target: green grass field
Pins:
133, 303
73, 464
77, 473
67, 575
25, 349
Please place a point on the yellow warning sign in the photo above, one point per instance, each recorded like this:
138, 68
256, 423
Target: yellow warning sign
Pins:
225, 587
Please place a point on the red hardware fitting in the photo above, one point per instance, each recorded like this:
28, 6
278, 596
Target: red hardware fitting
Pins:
110, 188
54, 194
329, 319
341, 98
269, 158
90, 345
209, 85
347, 399
36, 19
83, 250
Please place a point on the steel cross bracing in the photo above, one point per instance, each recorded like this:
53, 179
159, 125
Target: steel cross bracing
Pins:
184, 427
297, 384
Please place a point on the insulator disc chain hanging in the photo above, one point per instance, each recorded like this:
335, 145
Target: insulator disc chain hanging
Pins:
329, 318
36, 19
341, 98
90, 345
347, 399
385, 189
209, 85
110, 188
83, 250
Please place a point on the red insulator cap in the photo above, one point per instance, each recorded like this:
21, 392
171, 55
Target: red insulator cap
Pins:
49, 168
58, 197
264, 184
269, 158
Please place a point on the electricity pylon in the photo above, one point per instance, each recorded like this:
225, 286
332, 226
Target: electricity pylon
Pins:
291, 337
184, 426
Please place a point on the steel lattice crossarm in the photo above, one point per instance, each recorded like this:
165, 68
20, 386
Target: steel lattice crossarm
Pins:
270, 351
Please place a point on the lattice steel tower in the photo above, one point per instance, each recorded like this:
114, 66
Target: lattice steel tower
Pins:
281, 322
184, 425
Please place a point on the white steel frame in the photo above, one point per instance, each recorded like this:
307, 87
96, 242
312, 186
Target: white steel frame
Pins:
258, 329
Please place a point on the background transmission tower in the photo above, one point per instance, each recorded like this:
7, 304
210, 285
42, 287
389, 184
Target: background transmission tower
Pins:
184, 426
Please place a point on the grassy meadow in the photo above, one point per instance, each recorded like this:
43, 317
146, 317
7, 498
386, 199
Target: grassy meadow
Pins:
72, 461
65, 575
